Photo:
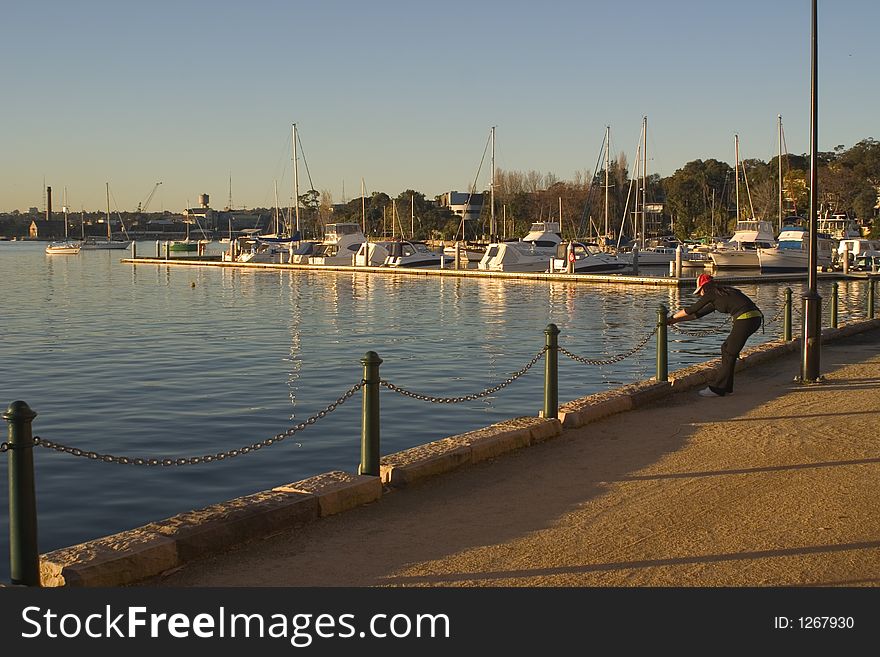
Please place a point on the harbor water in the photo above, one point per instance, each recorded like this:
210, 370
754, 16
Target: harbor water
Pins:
163, 362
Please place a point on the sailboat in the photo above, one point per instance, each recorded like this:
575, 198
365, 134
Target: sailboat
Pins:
474, 251
741, 250
93, 243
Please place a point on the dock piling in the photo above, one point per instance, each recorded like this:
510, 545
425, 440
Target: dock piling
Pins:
551, 372
24, 557
370, 416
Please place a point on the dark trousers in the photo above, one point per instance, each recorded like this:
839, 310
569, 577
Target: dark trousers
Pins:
736, 340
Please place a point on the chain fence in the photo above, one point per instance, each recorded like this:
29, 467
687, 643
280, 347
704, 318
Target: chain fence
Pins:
612, 359
195, 460
455, 400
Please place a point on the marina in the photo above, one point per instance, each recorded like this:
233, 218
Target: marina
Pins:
204, 356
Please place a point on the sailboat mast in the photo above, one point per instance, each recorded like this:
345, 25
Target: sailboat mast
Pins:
363, 208
412, 219
64, 209
295, 179
736, 172
779, 166
108, 210
492, 229
276, 210
644, 179
607, 148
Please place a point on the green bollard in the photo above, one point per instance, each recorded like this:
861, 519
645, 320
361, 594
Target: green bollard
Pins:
870, 298
24, 558
662, 346
370, 416
551, 372
834, 305
786, 317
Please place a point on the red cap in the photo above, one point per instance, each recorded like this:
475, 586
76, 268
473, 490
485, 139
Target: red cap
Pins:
702, 280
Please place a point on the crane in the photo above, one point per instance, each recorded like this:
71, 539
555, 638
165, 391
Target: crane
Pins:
142, 207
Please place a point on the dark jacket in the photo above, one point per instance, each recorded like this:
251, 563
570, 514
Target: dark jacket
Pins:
733, 302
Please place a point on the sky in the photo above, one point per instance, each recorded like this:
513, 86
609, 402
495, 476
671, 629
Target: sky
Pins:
202, 95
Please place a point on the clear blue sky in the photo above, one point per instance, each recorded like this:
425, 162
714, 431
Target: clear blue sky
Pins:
403, 94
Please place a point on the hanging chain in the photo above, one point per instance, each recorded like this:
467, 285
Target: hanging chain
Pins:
193, 460
3, 447
613, 359
704, 332
456, 400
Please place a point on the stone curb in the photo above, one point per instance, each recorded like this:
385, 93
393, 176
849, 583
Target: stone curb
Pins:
131, 556
418, 463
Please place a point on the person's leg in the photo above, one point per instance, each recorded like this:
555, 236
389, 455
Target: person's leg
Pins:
730, 348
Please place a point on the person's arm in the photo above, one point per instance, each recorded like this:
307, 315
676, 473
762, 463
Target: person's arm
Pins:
702, 307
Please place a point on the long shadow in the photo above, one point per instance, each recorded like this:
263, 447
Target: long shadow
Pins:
630, 565
769, 468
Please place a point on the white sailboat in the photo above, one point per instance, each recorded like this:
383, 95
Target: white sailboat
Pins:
741, 250
96, 243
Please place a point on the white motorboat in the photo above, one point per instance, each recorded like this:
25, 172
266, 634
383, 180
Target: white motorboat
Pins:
741, 250
63, 248
860, 251
341, 242
586, 259
404, 253
531, 253
791, 253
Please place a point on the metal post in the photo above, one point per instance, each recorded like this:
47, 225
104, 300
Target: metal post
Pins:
551, 372
569, 258
845, 257
635, 260
834, 304
662, 347
24, 558
158, 249
167, 250
134, 250
458, 255
678, 259
812, 301
870, 298
370, 416
786, 317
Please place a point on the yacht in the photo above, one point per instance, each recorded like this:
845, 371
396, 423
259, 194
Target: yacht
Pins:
741, 250
791, 253
341, 242
63, 248
532, 253
415, 254
587, 259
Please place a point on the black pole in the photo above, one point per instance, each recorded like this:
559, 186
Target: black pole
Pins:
24, 557
812, 300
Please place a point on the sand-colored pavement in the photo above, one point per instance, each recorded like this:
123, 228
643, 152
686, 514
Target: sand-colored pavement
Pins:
776, 485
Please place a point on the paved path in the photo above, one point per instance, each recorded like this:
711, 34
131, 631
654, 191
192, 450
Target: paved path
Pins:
776, 485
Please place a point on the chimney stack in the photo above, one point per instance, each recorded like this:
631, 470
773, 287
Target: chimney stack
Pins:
48, 204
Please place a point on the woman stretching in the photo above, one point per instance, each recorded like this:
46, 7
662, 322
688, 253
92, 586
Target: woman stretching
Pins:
746, 320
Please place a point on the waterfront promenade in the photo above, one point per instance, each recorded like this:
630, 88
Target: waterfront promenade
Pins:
775, 485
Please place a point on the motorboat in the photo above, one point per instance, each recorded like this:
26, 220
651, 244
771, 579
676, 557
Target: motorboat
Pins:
402, 253
585, 258
467, 251
63, 248
741, 250
341, 242
791, 253
532, 253
860, 251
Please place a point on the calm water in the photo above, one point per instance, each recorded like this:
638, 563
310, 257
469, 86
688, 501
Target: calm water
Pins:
156, 361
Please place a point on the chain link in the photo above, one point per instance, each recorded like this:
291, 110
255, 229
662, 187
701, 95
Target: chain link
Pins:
456, 400
613, 359
3, 447
194, 460
703, 332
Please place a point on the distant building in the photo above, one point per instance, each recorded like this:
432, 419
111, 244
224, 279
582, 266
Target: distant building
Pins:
202, 216
467, 206
46, 230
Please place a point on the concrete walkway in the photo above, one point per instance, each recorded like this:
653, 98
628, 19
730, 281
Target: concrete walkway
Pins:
776, 485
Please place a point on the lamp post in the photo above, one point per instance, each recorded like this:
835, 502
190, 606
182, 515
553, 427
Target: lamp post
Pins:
812, 330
